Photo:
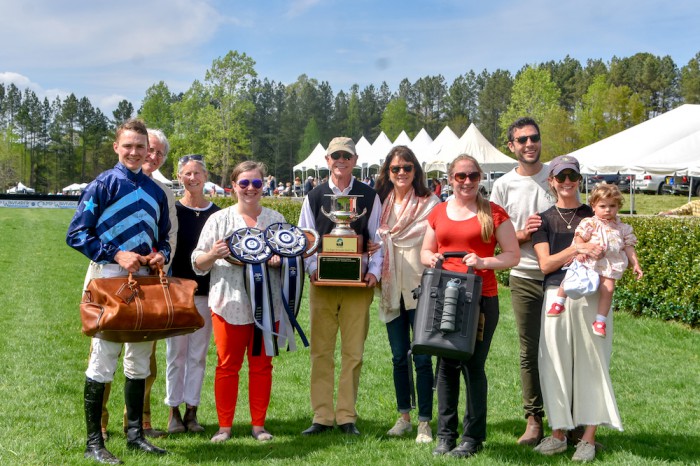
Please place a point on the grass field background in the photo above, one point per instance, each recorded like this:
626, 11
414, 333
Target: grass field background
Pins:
43, 356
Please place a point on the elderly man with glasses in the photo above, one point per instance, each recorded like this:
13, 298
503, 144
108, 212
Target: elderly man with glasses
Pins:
338, 308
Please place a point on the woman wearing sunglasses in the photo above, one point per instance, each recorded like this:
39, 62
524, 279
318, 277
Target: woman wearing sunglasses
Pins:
468, 222
232, 317
573, 362
406, 203
187, 354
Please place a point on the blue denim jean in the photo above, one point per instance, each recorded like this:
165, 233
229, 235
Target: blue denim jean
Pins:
399, 331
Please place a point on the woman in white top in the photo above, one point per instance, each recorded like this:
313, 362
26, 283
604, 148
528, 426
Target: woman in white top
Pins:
232, 315
406, 203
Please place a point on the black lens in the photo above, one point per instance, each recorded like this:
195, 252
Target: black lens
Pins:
532, 137
397, 168
573, 177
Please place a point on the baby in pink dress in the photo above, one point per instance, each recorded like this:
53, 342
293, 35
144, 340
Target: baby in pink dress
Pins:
616, 239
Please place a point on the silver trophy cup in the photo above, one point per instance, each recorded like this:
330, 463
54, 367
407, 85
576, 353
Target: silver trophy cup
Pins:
343, 213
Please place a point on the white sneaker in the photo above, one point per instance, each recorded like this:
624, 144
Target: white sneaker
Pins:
551, 446
401, 427
584, 452
425, 435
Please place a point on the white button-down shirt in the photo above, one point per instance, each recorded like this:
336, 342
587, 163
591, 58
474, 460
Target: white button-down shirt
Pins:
307, 219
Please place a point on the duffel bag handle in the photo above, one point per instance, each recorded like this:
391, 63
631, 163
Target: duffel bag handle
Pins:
438, 265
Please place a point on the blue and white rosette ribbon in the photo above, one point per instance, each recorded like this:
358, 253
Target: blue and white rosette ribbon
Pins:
248, 246
290, 243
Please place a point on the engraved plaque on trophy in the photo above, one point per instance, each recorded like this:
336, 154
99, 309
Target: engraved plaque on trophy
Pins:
340, 263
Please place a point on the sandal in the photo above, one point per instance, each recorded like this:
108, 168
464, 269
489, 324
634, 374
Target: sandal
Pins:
262, 435
221, 436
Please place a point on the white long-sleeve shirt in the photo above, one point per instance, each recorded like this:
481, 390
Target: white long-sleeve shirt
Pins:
307, 219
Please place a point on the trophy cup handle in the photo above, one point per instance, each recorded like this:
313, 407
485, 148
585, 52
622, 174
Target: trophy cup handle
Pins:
364, 212
323, 211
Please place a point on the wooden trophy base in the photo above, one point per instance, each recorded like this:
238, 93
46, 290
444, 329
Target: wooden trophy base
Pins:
339, 269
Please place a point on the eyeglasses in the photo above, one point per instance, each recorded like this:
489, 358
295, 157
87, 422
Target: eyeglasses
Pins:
187, 158
461, 177
397, 168
573, 177
159, 154
532, 137
243, 184
344, 155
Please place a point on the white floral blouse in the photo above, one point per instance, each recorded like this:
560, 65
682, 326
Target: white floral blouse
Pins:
227, 293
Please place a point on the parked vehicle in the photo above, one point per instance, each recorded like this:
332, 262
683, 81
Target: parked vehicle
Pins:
624, 183
681, 184
486, 183
652, 184
591, 181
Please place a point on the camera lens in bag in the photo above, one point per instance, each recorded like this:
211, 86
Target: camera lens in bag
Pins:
449, 309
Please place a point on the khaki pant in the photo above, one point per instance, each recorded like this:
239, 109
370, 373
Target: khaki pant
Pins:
346, 309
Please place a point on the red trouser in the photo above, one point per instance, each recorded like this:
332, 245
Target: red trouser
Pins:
232, 343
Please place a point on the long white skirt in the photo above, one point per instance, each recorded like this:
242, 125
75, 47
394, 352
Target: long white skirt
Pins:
574, 366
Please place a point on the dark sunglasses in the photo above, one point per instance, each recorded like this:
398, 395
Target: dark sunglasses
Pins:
338, 155
243, 184
573, 177
461, 177
533, 138
397, 168
187, 158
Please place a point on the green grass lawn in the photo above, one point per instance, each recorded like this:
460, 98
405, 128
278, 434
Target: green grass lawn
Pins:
43, 356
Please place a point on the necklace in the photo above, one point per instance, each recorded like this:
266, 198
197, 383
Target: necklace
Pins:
568, 224
194, 205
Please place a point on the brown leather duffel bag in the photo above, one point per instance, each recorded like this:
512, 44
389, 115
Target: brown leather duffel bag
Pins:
139, 308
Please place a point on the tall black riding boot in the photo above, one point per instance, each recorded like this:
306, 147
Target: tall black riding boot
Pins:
133, 396
95, 448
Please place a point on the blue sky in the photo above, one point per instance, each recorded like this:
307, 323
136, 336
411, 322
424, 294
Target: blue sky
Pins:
109, 51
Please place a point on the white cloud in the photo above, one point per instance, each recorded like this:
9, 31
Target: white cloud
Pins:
127, 32
299, 7
19, 80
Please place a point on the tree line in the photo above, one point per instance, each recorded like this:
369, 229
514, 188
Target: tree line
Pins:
232, 114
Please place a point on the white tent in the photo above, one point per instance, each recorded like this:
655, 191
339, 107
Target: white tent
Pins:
209, 185
421, 144
364, 156
315, 160
21, 188
669, 135
160, 177
680, 157
380, 148
364, 153
402, 139
445, 138
71, 187
475, 144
